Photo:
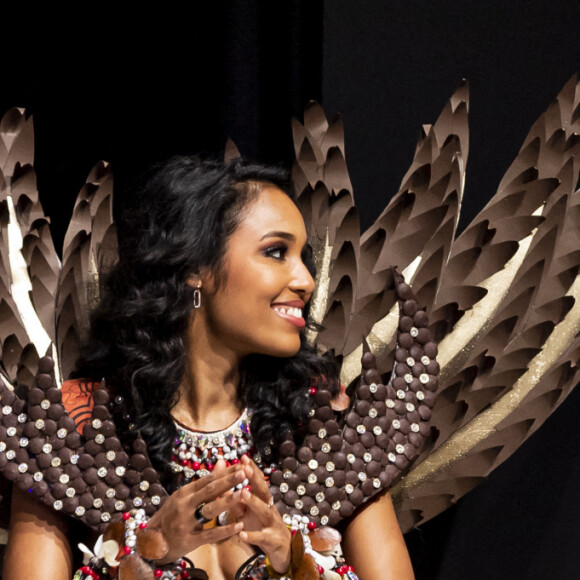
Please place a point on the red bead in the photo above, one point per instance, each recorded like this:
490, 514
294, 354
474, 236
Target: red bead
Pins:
185, 574
158, 573
196, 465
142, 525
184, 462
349, 569
86, 570
228, 463
126, 516
127, 550
182, 564
209, 467
235, 461
320, 570
341, 570
312, 390
311, 525
294, 532
248, 487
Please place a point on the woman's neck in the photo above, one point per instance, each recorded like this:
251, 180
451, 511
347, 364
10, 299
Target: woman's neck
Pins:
208, 394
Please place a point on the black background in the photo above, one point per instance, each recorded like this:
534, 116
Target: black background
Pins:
133, 88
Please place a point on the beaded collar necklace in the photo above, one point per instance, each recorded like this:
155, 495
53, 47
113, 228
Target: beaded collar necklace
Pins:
195, 453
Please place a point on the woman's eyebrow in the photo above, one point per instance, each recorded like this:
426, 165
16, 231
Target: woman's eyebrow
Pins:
284, 235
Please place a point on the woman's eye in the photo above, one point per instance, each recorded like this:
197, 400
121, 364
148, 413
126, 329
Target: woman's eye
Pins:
276, 252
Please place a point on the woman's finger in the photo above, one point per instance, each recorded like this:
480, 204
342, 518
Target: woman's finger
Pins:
262, 510
228, 502
216, 487
257, 480
219, 533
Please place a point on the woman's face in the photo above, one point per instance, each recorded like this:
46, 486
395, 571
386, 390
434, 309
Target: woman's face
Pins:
257, 307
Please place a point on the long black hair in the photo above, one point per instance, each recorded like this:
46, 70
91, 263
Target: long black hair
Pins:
186, 211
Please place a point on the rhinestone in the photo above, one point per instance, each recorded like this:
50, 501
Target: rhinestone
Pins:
257, 458
39, 424
400, 394
410, 362
287, 474
313, 464
301, 490
392, 457
408, 378
373, 413
11, 431
119, 505
105, 516
312, 478
110, 493
74, 459
390, 403
287, 518
324, 520
351, 458
424, 378
396, 423
119, 399
97, 423
284, 487
80, 511
97, 503
377, 430
23, 442
61, 433
325, 448
420, 395
314, 510
102, 471
120, 471
322, 433
155, 500
70, 492
44, 404
425, 360
138, 502
329, 482
362, 476
298, 504
336, 505
144, 486
319, 497
22, 418
10, 454
361, 429
400, 448
100, 439
367, 457
410, 407
38, 476
6, 410
376, 483
57, 505
23, 468
414, 332
414, 427
330, 466
64, 478
110, 455
373, 388
311, 413
349, 488
2, 446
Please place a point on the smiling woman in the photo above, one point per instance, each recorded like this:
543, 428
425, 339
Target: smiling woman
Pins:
199, 338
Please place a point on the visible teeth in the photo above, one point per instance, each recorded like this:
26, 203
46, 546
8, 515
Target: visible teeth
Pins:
296, 312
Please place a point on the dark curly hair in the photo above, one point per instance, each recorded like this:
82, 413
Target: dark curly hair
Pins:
186, 211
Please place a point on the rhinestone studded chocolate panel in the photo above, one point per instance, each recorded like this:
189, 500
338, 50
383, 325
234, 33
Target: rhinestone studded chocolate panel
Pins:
342, 464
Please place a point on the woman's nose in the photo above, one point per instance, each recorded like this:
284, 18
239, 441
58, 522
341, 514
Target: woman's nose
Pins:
302, 280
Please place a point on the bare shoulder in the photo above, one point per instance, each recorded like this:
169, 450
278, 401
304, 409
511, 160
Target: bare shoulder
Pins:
38, 545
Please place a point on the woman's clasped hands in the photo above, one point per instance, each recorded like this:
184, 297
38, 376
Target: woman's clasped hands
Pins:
249, 513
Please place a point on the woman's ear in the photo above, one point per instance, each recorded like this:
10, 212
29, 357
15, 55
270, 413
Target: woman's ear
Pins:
194, 281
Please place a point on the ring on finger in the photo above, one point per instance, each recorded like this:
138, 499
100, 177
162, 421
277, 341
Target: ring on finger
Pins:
199, 517
271, 502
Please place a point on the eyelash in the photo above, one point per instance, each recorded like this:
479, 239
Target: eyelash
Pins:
277, 249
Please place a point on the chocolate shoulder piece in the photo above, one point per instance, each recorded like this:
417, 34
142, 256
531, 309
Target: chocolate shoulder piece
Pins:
345, 460
89, 477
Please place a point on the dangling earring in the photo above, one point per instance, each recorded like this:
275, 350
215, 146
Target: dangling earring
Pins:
197, 296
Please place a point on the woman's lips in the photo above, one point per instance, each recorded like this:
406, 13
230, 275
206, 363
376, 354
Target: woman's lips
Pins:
290, 313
